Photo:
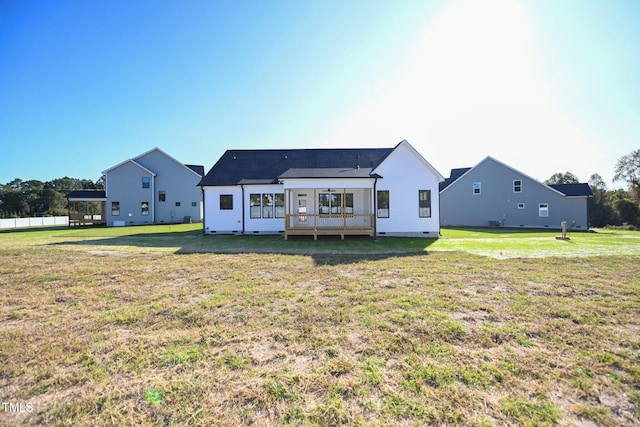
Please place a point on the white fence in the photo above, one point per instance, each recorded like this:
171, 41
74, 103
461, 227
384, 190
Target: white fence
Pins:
44, 221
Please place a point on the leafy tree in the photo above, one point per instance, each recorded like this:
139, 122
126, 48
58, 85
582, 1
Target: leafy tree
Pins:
599, 209
562, 178
13, 201
628, 169
627, 210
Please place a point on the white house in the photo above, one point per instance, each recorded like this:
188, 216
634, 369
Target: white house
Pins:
152, 188
366, 191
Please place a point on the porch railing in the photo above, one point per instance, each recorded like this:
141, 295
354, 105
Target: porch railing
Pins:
328, 221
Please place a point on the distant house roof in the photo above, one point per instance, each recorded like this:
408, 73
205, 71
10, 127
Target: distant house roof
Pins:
573, 190
453, 175
86, 195
237, 167
197, 169
569, 190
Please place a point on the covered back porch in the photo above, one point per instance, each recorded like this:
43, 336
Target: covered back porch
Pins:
329, 210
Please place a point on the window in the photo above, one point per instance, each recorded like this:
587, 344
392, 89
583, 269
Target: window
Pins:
267, 205
336, 203
255, 207
543, 210
146, 182
477, 187
324, 206
279, 198
144, 208
348, 203
383, 204
331, 203
226, 202
520, 205
517, 186
424, 203
194, 204
115, 208
177, 204
162, 196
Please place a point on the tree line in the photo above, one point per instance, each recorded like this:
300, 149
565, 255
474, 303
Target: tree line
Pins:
607, 207
611, 207
21, 199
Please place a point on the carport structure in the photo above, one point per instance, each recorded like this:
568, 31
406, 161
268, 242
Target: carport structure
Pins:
87, 207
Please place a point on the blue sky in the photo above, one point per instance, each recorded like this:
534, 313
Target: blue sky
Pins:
545, 86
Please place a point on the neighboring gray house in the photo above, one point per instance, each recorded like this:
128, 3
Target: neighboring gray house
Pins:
494, 194
153, 188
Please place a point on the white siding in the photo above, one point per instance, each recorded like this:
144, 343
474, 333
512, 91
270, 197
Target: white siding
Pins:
404, 173
224, 221
261, 225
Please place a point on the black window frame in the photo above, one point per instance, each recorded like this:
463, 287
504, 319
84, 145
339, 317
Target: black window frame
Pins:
226, 202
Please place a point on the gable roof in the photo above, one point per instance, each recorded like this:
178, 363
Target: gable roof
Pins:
404, 143
196, 169
489, 158
573, 190
132, 162
237, 167
190, 168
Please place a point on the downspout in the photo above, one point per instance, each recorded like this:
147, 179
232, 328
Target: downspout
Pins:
439, 214
375, 204
204, 214
242, 188
153, 199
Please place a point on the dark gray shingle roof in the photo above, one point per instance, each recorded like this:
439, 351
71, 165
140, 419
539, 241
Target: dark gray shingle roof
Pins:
266, 166
86, 194
197, 169
455, 174
581, 189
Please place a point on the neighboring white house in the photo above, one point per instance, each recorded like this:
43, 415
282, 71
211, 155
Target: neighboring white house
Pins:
152, 188
368, 191
494, 194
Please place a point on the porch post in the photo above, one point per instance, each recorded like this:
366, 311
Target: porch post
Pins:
344, 217
287, 211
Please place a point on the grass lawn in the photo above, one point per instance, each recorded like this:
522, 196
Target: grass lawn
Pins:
155, 325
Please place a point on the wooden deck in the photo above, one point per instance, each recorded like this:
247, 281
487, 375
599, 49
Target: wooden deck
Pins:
330, 224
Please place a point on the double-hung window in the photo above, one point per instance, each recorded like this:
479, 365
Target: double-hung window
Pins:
266, 205
517, 186
383, 204
543, 210
477, 188
424, 203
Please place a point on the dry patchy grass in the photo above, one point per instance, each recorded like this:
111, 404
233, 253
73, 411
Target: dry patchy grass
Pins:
124, 338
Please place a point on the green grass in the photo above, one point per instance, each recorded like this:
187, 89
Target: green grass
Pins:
155, 325
185, 238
